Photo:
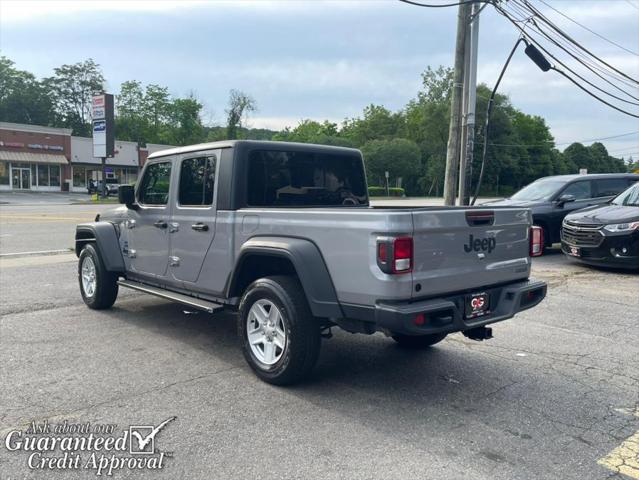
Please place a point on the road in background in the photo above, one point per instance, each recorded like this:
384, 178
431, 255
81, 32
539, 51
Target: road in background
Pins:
34, 222
554, 393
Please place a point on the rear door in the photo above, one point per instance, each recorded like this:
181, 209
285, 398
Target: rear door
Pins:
148, 247
192, 224
460, 249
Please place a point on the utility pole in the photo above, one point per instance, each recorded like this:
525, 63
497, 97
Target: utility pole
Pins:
469, 104
454, 131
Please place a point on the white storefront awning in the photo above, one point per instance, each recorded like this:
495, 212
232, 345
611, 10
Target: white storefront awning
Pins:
48, 158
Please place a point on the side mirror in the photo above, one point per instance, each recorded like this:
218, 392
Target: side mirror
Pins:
126, 195
565, 199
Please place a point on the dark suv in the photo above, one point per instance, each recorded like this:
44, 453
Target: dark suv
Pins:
552, 198
605, 235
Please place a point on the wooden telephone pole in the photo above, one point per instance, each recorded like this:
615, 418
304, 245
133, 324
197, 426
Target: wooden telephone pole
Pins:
462, 113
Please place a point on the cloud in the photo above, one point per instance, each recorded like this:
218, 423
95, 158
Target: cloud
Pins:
312, 59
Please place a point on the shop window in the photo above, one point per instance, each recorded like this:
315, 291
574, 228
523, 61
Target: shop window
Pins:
4, 173
79, 177
43, 175
54, 175
131, 175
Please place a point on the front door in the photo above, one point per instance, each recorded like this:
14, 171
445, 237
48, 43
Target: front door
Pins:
148, 225
21, 178
193, 218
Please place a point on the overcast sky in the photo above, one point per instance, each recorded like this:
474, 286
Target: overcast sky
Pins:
316, 59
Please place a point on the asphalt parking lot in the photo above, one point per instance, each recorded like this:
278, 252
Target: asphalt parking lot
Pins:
554, 395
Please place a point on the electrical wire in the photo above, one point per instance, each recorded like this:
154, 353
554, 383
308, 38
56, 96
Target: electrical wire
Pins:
542, 17
584, 59
590, 30
443, 5
508, 16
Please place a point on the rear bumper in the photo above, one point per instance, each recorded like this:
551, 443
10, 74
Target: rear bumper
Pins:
447, 314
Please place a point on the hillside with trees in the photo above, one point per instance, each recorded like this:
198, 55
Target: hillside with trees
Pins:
410, 143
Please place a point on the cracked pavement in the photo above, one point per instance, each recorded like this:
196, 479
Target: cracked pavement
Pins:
552, 394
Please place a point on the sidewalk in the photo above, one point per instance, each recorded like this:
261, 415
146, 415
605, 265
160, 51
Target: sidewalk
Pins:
46, 198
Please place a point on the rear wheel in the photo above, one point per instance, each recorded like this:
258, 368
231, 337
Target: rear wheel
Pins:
280, 337
419, 341
99, 287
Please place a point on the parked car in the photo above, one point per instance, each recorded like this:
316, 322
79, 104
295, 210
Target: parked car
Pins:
283, 234
607, 234
552, 198
112, 185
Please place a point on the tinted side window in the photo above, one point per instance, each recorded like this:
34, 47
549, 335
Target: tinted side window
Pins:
197, 179
580, 190
154, 188
610, 187
279, 178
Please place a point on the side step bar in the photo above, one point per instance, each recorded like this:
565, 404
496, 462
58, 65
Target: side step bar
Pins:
198, 303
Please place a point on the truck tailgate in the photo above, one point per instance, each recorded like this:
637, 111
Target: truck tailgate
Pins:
469, 248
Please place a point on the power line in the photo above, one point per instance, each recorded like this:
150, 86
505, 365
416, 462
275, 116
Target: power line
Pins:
542, 17
590, 30
632, 4
443, 5
574, 52
559, 144
508, 16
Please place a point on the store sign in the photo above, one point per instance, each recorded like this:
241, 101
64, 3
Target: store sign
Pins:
37, 146
12, 144
103, 126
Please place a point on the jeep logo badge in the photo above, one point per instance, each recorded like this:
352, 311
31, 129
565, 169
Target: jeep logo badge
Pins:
480, 244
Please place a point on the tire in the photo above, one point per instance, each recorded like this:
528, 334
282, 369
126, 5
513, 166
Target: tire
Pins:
419, 341
105, 287
290, 357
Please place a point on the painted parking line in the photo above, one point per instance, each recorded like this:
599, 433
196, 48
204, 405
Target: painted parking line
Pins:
625, 458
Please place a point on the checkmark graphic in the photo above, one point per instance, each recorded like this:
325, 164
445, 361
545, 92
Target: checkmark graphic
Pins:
144, 440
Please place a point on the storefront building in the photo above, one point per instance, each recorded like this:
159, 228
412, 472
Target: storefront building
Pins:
33, 157
122, 169
49, 159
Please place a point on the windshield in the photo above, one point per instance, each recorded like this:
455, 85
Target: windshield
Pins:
538, 190
629, 198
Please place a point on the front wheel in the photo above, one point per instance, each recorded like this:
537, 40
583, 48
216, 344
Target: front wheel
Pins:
419, 341
99, 287
280, 337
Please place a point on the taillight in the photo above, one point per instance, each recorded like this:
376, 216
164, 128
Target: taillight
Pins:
536, 241
395, 254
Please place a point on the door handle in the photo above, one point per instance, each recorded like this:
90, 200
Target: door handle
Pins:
200, 227
160, 224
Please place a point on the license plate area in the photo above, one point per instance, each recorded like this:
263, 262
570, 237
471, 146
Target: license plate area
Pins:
477, 305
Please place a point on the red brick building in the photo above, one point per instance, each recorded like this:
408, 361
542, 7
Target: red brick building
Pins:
49, 159
34, 157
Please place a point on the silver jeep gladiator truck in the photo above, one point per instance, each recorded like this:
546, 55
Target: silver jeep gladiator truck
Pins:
284, 234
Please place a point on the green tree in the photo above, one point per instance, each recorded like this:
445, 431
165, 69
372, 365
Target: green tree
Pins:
399, 157
23, 99
240, 106
185, 122
72, 88
310, 131
377, 123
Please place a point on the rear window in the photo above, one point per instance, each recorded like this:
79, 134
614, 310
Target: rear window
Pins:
282, 178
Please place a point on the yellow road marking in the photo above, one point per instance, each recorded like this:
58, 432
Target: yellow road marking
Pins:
625, 458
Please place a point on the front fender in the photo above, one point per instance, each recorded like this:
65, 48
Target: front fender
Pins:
105, 237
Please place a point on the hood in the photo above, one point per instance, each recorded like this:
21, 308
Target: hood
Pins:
507, 202
605, 214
